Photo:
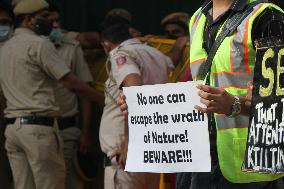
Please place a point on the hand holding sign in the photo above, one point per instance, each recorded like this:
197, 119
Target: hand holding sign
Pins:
217, 100
121, 101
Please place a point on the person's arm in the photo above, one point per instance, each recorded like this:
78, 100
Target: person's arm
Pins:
85, 117
53, 65
81, 69
89, 40
2, 104
126, 73
177, 50
83, 90
130, 80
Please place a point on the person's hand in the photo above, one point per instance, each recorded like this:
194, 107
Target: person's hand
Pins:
122, 104
122, 154
249, 94
85, 142
217, 100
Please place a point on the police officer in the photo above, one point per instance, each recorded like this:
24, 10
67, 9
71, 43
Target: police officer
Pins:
88, 40
29, 70
130, 63
68, 122
175, 25
122, 15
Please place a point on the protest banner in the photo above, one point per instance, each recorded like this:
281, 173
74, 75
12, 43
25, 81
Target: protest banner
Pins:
166, 133
265, 146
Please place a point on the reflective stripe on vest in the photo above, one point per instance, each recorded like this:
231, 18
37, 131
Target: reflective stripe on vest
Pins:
242, 122
231, 69
237, 54
228, 80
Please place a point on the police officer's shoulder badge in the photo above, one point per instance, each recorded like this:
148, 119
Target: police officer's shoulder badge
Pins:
120, 60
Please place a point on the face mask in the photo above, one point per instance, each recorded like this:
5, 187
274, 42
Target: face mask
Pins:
43, 26
5, 33
55, 34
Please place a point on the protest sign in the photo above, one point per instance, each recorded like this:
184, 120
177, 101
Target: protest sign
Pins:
265, 146
166, 133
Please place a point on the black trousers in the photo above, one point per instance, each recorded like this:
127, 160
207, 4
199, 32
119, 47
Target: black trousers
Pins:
183, 180
215, 180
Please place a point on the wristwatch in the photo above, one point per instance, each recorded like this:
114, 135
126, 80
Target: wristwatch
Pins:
236, 107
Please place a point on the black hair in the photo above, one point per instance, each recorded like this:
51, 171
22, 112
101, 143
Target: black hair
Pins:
53, 7
112, 20
5, 7
181, 24
116, 33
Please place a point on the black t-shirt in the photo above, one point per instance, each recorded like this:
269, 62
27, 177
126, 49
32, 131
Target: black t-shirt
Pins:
269, 23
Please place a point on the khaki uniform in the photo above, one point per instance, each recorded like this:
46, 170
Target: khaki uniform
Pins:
29, 68
131, 57
73, 57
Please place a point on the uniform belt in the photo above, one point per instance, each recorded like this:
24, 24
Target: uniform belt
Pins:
32, 120
107, 161
67, 122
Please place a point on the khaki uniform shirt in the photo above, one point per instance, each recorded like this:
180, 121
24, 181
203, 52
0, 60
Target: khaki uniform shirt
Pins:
29, 70
130, 57
72, 53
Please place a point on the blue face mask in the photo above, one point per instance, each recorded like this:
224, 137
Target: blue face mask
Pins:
5, 32
55, 34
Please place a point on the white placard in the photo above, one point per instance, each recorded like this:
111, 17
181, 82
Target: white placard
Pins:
166, 133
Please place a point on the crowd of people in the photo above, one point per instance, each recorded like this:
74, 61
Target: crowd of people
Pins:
46, 93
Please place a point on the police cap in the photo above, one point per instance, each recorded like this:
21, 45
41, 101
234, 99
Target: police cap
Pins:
121, 13
181, 17
29, 6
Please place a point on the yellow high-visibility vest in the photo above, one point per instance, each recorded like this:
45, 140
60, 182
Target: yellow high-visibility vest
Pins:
232, 68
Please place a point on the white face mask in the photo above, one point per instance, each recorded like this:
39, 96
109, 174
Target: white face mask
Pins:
5, 32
